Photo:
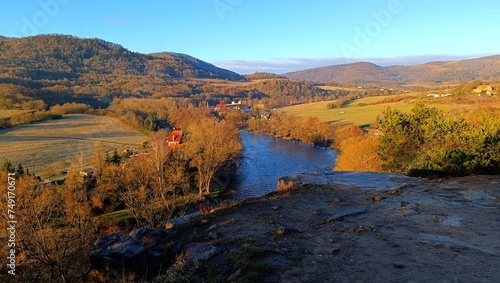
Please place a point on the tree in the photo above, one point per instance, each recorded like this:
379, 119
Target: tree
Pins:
98, 158
50, 242
6, 166
403, 137
139, 192
427, 141
209, 145
359, 154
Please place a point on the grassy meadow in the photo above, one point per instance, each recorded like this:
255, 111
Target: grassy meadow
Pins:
64, 141
364, 111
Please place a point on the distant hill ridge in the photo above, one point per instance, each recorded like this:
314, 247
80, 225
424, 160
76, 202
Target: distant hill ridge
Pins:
485, 68
64, 56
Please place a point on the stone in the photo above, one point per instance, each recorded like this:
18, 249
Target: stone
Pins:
200, 252
181, 221
285, 185
348, 212
117, 256
140, 254
149, 237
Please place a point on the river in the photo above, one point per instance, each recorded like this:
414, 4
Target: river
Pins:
266, 159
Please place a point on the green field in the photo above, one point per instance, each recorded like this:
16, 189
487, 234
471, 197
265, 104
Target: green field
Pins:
64, 140
364, 115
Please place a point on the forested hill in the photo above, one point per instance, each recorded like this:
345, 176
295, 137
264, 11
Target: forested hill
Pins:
182, 65
485, 68
55, 57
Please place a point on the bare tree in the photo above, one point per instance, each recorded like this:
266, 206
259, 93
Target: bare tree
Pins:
210, 144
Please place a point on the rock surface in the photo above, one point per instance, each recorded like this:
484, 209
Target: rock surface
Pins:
394, 229
360, 180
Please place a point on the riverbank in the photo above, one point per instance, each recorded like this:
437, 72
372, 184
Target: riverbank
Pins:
350, 227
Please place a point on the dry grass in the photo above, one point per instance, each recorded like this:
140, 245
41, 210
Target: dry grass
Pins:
40, 144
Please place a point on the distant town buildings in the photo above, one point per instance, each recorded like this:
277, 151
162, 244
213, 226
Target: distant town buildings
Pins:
237, 105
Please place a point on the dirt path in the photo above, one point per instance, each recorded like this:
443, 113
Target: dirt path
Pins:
408, 230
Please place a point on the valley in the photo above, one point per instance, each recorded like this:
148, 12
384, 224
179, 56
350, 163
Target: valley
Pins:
103, 141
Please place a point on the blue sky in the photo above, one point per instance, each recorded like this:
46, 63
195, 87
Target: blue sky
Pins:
272, 35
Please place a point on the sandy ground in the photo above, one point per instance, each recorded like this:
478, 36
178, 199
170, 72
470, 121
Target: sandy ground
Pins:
389, 229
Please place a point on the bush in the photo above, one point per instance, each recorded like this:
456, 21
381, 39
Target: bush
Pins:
426, 142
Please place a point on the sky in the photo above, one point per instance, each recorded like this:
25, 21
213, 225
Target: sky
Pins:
276, 36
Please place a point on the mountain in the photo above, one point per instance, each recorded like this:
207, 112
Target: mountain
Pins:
485, 68
59, 56
182, 65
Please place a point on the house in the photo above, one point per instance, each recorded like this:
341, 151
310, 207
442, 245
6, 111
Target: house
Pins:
221, 106
234, 105
174, 138
483, 89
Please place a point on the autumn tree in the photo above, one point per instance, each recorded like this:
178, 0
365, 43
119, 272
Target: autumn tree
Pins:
51, 241
98, 158
345, 133
359, 153
138, 189
209, 145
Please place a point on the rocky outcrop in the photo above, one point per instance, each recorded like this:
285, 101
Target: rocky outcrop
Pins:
142, 254
348, 225
361, 180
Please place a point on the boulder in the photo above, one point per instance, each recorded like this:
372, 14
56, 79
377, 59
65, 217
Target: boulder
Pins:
149, 237
181, 221
143, 253
200, 252
117, 256
285, 184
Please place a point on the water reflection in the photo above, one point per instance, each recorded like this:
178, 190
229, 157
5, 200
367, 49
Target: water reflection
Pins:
266, 159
